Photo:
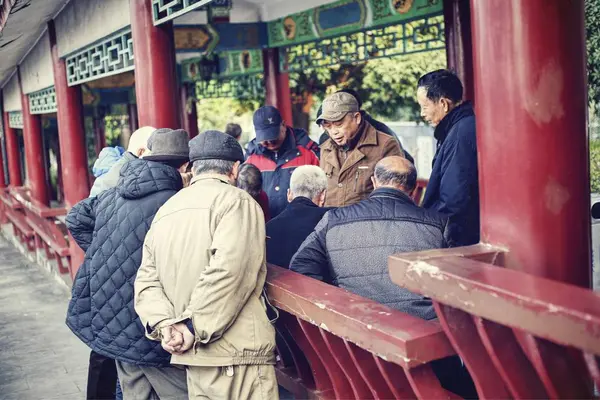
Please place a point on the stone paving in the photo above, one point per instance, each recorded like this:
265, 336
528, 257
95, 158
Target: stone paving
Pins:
39, 356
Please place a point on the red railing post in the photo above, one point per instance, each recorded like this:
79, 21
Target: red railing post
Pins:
531, 134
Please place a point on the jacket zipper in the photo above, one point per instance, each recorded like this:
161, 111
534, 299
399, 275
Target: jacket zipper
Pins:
356, 180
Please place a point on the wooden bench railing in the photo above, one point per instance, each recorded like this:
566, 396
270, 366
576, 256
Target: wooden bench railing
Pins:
520, 336
335, 344
36, 225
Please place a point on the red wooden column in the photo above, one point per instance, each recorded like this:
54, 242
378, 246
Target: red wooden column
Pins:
459, 50
3, 183
155, 72
189, 114
277, 85
531, 124
12, 154
34, 151
71, 135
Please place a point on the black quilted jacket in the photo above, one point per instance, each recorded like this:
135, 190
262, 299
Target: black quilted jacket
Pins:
351, 245
111, 229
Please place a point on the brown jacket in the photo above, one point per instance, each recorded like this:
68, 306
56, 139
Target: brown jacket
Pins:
349, 175
204, 259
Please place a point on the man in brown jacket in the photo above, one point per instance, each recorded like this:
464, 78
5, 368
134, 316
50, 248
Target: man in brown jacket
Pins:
349, 156
202, 274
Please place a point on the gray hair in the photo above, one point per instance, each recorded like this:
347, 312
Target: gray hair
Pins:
308, 181
214, 166
406, 179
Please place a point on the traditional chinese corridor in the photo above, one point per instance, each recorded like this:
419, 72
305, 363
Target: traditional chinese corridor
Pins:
39, 357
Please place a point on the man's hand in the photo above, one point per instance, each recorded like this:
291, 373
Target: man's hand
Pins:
171, 340
187, 337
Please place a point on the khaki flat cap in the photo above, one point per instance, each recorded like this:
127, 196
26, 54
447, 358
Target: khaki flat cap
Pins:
336, 106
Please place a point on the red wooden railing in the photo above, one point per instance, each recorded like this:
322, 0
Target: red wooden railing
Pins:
36, 226
521, 336
335, 344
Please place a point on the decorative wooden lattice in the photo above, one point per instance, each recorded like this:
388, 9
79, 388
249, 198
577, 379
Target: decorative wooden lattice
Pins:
166, 10
15, 119
410, 37
43, 101
239, 87
112, 55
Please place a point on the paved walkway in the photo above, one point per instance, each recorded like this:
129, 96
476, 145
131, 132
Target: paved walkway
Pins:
39, 356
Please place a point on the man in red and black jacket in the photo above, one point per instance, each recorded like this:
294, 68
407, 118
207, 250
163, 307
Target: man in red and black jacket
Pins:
277, 150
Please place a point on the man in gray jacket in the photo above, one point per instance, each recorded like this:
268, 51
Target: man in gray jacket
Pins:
137, 148
349, 248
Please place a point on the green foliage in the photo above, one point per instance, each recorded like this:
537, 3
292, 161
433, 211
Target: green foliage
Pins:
386, 86
391, 83
217, 113
592, 28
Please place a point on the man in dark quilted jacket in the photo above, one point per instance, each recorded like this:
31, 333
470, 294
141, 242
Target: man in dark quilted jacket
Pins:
111, 228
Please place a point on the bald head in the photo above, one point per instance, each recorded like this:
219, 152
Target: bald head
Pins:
395, 172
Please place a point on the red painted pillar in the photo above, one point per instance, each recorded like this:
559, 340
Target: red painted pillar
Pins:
71, 137
34, 151
531, 125
3, 183
99, 129
155, 72
189, 111
12, 153
459, 47
277, 85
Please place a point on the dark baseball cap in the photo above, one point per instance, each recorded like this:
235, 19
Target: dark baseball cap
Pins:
267, 121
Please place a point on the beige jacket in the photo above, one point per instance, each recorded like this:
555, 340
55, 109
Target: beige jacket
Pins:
204, 259
349, 173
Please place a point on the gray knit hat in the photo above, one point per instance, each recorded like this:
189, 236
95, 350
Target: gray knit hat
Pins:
168, 144
215, 145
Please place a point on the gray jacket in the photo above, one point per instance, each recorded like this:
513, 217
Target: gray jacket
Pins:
109, 180
351, 245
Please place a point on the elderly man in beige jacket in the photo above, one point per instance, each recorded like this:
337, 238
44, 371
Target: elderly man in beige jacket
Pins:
200, 283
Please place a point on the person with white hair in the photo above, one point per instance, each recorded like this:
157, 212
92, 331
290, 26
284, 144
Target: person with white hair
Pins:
306, 197
137, 148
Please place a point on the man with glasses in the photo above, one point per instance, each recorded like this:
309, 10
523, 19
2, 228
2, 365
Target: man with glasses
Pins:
276, 151
349, 158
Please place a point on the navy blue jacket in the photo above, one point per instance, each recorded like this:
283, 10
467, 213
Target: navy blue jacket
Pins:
111, 229
287, 231
277, 167
453, 187
351, 245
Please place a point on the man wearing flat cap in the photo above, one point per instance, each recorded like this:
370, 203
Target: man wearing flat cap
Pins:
111, 228
349, 158
202, 274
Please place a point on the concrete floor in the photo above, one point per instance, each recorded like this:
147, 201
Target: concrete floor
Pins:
39, 356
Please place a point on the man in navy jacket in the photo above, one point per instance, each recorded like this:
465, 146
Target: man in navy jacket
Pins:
287, 231
453, 187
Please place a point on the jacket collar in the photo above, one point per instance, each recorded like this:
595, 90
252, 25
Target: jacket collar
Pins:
392, 193
206, 177
302, 202
461, 111
368, 137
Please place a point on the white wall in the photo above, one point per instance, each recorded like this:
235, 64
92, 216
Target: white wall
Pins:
11, 94
36, 69
85, 21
